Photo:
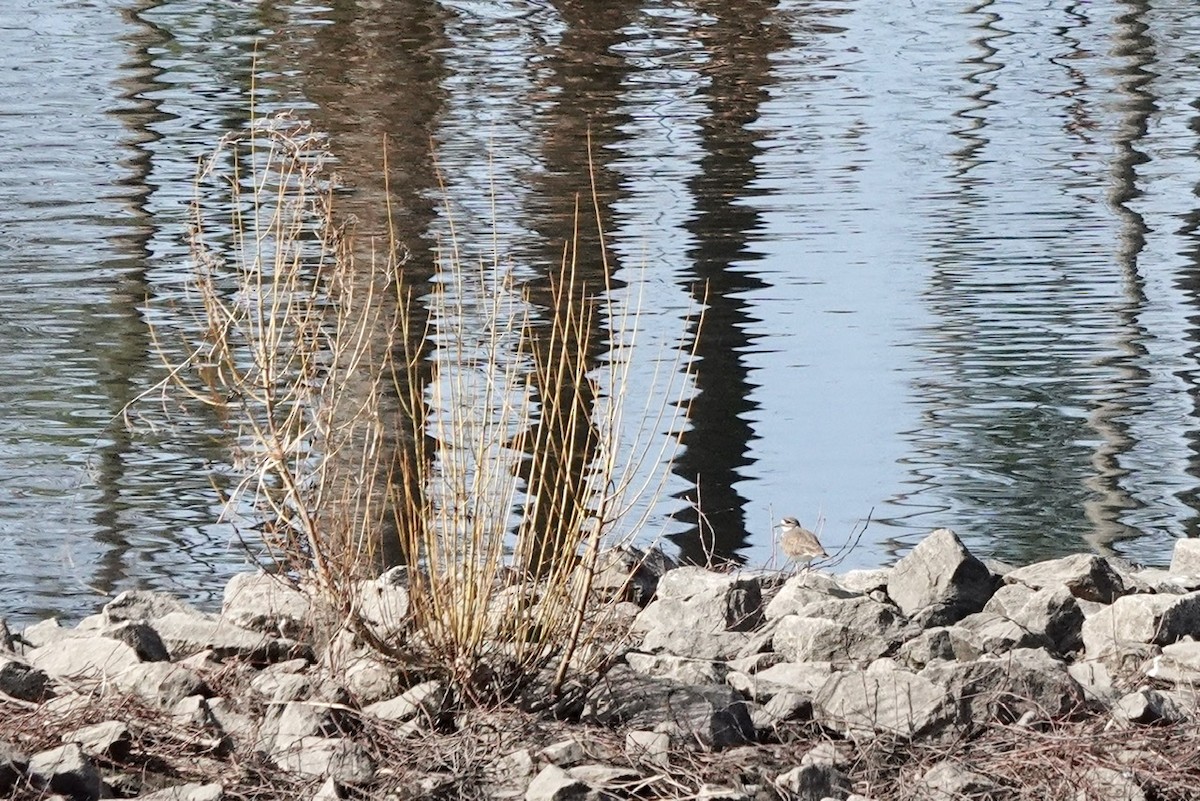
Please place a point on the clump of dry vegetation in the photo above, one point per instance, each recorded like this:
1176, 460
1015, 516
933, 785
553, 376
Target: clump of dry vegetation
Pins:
462, 427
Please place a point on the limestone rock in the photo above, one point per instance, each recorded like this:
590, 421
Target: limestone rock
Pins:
12, 765
864, 704
802, 589
563, 753
1141, 619
160, 684
806, 678
425, 701
266, 603
677, 668
1087, 576
696, 643
866, 581
146, 605
813, 782
1145, 707
21, 680
340, 758
712, 715
950, 781
110, 739
66, 770
555, 784
987, 633
186, 634
931, 645
650, 747
193, 791
84, 658
1052, 612
814, 639
1185, 559
700, 600
940, 582
630, 573
1002, 689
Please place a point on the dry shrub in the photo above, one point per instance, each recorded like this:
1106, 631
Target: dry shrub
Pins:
464, 427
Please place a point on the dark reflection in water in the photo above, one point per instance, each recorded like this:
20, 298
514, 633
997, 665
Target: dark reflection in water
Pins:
950, 257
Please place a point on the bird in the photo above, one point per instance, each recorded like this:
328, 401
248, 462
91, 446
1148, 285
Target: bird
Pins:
800, 544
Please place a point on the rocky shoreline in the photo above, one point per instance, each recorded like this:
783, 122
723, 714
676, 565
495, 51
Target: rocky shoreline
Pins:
938, 678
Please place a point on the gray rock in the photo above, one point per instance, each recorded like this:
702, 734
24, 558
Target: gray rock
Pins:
563, 753
299, 720
864, 704
603, 777
425, 701
813, 639
266, 603
83, 658
785, 706
696, 643
630, 574
711, 715
555, 784
950, 781
931, 645
66, 770
193, 791
987, 633
1185, 559
813, 782
1002, 689
110, 739
1145, 707
21, 680
1107, 784
828, 752
45, 632
700, 600
146, 605
139, 636
1095, 680
232, 721
1179, 664
383, 607
1086, 576
339, 758
1141, 619
866, 581
159, 684
802, 589
940, 582
186, 634
509, 775
650, 747
677, 668
806, 678
1052, 612
12, 765
370, 680
718, 792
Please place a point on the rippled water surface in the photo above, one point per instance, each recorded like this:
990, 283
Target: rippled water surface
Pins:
948, 254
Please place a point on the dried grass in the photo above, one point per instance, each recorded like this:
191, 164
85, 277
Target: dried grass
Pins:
464, 427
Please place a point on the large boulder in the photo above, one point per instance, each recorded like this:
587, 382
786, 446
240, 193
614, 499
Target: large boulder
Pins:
712, 715
940, 582
1185, 559
988, 633
1052, 612
802, 589
1002, 689
186, 634
263, 602
630, 574
844, 631
700, 600
84, 658
864, 704
1087, 576
1135, 620
66, 770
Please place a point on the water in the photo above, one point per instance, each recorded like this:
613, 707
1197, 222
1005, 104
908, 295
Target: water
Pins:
950, 253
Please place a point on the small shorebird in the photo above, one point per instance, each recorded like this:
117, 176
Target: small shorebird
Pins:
800, 544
